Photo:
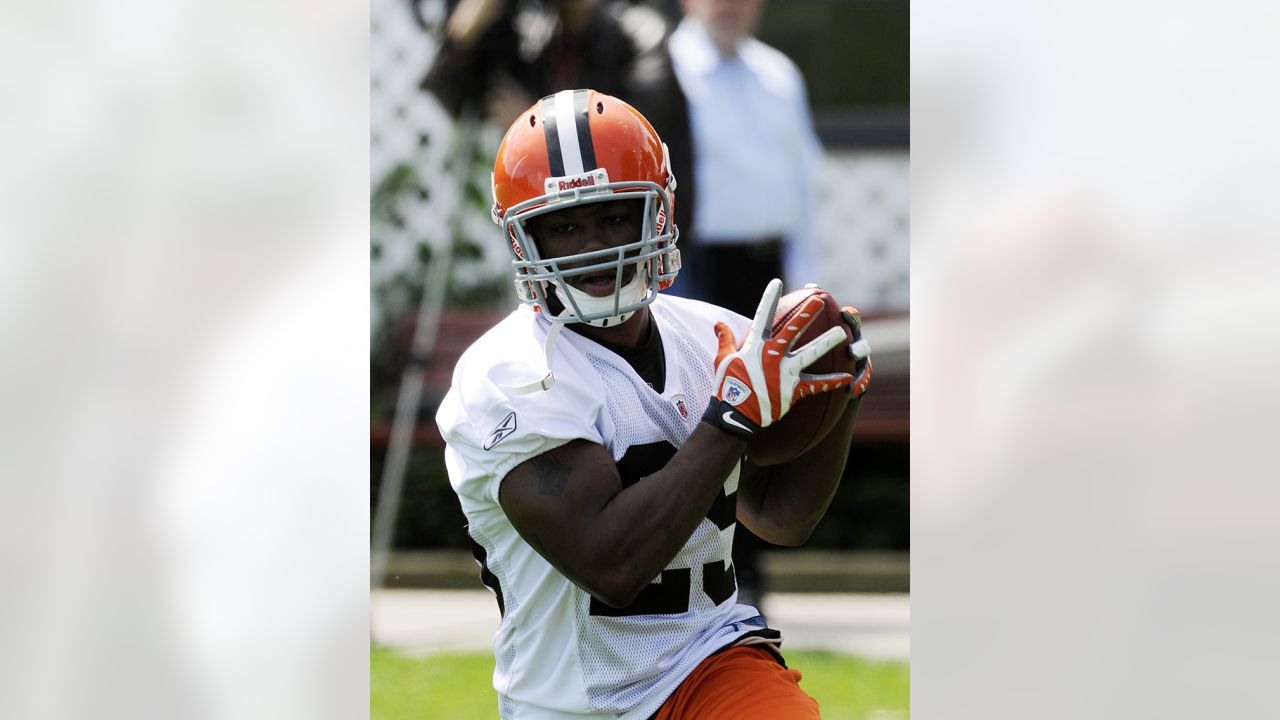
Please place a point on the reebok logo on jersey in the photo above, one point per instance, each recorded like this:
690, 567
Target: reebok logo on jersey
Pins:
735, 391
500, 433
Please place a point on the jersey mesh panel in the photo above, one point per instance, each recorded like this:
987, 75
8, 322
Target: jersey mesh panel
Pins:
638, 413
506, 650
696, 385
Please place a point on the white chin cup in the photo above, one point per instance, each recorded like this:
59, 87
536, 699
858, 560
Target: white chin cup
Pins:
629, 294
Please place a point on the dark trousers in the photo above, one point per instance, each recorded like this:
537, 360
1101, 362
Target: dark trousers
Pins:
733, 276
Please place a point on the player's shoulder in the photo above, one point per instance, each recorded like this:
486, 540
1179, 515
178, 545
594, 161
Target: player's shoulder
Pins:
519, 328
510, 346
498, 412
514, 323
512, 355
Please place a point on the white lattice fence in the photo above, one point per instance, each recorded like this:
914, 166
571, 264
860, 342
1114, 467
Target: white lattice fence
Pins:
406, 126
411, 133
864, 222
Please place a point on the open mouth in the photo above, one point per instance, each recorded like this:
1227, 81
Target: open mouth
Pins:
602, 284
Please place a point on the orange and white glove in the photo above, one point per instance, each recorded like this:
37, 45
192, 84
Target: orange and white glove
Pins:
757, 383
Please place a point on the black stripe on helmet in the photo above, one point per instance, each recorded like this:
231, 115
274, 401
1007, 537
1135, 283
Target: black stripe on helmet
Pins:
549, 131
582, 118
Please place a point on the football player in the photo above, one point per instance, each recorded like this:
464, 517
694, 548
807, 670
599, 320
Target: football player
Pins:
595, 438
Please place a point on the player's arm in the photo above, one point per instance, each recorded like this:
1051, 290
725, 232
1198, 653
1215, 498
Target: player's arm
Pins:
570, 505
783, 503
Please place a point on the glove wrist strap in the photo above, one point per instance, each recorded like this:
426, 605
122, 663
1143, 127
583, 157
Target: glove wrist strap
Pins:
726, 417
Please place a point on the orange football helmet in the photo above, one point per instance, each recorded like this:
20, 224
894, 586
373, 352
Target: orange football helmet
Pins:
577, 147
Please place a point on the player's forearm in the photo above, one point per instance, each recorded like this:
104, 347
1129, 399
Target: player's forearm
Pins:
784, 503
643, 527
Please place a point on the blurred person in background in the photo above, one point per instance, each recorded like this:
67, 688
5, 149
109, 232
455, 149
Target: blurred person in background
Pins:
755, 164
498, 56
601, 500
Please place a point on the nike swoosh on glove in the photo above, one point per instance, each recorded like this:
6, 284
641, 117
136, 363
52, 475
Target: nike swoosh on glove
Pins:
757, 383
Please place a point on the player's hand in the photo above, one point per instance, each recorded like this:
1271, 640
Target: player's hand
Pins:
757, 383
859, 350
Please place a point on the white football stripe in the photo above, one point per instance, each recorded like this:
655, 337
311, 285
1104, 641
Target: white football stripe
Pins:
567, 129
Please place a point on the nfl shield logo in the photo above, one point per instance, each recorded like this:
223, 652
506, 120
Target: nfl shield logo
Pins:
734, 391
680, 405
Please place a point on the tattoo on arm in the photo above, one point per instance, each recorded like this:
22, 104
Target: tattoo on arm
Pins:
553, 475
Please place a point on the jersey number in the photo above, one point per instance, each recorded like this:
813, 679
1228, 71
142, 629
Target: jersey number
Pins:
670, 594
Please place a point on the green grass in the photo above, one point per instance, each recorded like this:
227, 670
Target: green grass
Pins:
851, 688
458, 686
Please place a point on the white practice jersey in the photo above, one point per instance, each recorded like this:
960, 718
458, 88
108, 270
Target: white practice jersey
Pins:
559, 652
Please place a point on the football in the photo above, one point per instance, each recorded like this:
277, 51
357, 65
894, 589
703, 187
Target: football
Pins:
810, 419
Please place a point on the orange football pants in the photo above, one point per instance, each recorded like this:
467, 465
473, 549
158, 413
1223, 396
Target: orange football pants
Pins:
741, 683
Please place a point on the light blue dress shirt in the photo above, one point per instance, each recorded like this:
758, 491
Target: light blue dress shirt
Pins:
755, 151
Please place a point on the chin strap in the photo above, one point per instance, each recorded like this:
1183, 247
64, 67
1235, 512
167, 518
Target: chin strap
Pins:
549, 379
629, 294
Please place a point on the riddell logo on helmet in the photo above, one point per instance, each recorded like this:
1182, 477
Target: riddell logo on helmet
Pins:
596, 180
580, 181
